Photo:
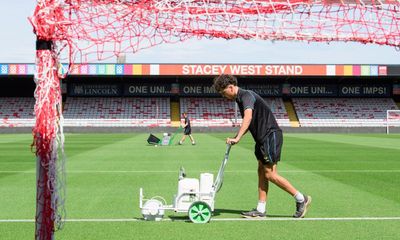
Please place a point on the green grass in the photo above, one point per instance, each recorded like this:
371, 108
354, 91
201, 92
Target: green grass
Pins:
348, 176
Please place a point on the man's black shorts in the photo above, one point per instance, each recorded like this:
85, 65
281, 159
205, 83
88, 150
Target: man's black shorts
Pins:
187, 131
270, 150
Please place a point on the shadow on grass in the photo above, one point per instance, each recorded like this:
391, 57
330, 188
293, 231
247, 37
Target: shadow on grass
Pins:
166, 218
180, 218
239, 212
217, 212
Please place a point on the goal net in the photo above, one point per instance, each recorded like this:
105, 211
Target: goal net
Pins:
392, 121
91, 30
83, 31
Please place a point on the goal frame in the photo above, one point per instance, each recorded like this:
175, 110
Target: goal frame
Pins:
388, 125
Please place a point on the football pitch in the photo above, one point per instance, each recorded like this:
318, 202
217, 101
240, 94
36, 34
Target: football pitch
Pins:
354, 180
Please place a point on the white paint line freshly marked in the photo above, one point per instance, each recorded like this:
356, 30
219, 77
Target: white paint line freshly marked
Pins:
217, 219
229, 171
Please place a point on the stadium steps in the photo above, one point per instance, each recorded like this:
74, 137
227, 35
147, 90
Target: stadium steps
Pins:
175, 114
294, 121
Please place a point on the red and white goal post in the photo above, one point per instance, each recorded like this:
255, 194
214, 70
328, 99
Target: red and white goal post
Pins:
82, 31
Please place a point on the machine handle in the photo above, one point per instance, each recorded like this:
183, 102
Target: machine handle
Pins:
228, 149
220, 176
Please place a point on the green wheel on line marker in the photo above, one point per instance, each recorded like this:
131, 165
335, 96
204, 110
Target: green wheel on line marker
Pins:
199, 212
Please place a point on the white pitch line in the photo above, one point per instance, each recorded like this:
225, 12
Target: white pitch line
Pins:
310, 219
229, 171
217, 219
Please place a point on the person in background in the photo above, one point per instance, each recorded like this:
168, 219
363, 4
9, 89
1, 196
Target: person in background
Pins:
187, 129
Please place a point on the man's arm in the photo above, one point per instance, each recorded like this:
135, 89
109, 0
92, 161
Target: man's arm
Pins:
183, 124
248, 113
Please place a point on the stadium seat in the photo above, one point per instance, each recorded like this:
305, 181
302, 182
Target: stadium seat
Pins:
117, 112
343, 112
17, 112
219, 112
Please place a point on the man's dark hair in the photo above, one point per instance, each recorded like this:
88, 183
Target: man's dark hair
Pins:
222, 81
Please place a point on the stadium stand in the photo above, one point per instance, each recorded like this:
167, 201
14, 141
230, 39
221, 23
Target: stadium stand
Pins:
17, 112
219, 112
204, 112
117, 112
278, 108
343, 112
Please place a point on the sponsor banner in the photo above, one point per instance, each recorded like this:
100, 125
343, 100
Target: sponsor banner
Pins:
92, 70
330, 70
3, 69
393, 70
243, 70
347, 70
96, 69
31, 69
197, 90
356, 70
110, 69
17, 69
63, 88
119, 69
94, 90
370, 90
144, 89
382, 70
311, 90
374, 70
101, 69
74, 70
175, 88
396, 89
13, 69
211, 69
265, 90
22, 69
138, 69
286, 89
365, 70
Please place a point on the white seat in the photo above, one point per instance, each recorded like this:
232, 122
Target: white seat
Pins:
219, 112
121, 112
17, 112
343, 112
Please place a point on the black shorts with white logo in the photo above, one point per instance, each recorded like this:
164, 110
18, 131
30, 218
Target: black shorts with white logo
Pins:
188, 131
269, 151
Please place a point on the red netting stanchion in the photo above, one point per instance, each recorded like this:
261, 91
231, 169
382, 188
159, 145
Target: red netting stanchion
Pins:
48, 141
47, 132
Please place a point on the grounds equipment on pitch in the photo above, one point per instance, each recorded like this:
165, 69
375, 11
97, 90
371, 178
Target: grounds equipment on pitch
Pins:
194, 197
167, 139
153, 140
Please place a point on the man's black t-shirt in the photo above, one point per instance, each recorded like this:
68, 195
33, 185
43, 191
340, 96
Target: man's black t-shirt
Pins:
187, 121
263, 121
